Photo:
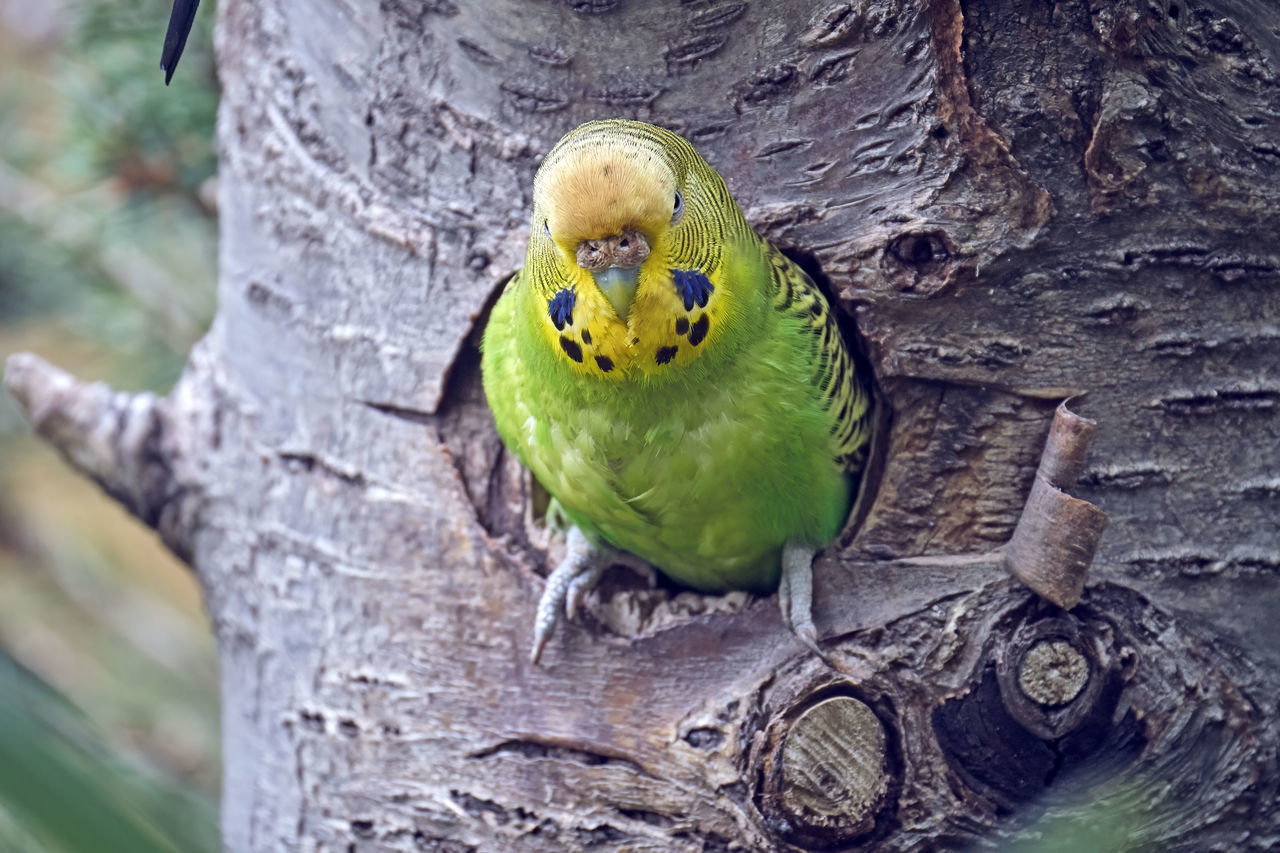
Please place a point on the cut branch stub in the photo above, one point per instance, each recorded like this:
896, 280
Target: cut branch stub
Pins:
1057, 535
120, 440
827, 775
1051, 673
1043, 701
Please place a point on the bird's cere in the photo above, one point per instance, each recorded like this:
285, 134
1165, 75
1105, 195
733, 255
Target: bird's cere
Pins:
625, 250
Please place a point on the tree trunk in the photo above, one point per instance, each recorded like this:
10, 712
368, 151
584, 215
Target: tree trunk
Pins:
1017, 203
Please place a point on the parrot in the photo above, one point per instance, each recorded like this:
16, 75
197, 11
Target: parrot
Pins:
181, 17
678, 385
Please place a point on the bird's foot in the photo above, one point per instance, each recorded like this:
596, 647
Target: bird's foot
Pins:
795, 593
567, 586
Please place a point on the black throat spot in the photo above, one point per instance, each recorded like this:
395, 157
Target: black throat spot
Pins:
571, 349
699, 330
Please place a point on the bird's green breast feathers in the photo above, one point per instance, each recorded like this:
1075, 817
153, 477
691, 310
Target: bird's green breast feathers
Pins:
712, 418
705, 470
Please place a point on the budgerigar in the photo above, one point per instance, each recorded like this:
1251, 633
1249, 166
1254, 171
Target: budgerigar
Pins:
676, 383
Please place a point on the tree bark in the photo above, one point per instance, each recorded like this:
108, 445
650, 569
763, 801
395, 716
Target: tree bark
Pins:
1016, 203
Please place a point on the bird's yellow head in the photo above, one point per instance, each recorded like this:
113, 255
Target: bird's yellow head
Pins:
631, 247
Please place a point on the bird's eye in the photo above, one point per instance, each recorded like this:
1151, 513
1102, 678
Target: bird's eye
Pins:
678, 210
546, 226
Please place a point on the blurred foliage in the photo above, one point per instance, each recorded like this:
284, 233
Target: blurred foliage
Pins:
106, 178
108, 691
69, 792
1104, 807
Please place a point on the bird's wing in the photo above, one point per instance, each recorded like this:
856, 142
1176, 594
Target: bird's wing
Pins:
843, 394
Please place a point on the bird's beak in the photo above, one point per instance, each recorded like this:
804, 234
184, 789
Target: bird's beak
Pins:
614, 262
618, 284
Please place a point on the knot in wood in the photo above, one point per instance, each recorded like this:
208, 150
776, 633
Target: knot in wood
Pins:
921, 263
1053, 672
919, 249
834, 770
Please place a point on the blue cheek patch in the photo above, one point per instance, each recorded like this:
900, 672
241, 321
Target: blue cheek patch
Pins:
692, 286
560, 307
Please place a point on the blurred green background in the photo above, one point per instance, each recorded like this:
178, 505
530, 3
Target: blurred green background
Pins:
108, 691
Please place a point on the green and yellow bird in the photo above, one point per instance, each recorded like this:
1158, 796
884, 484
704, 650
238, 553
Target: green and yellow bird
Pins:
676, 383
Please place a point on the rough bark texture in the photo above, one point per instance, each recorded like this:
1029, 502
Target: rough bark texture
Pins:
1017, 202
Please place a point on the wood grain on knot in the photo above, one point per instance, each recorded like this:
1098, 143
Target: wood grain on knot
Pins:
830, 776
833, 763
1057, 535
1053, 673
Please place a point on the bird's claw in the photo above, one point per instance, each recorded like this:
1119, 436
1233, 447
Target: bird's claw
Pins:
579, 586
567, 586
795, 594
584, 564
